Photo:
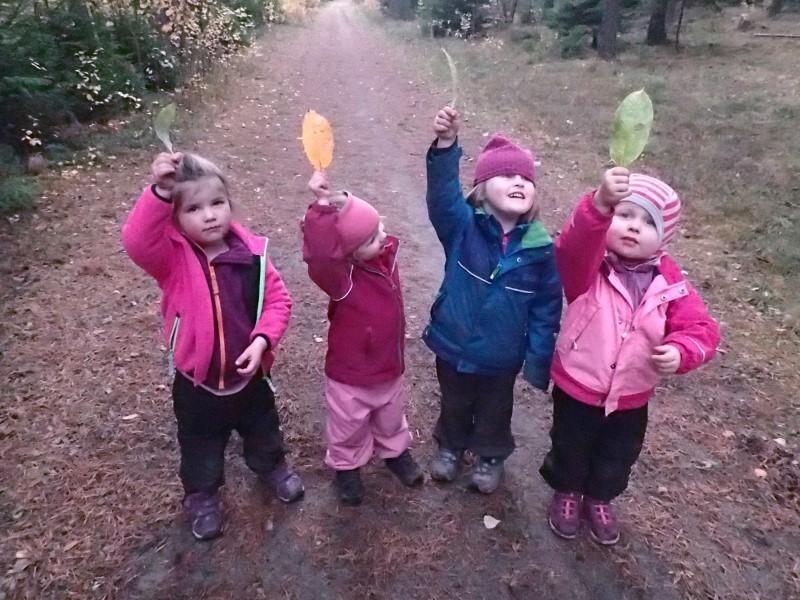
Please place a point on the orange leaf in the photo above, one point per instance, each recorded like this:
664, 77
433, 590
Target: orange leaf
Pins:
317, 140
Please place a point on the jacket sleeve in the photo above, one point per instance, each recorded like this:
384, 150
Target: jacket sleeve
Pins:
543, 325
581, 247
277, 308
144, 234
691, 328
328, 267
447, 208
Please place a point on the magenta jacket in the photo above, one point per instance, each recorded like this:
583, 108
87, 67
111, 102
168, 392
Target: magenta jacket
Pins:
603, 353
366, 339
187, 307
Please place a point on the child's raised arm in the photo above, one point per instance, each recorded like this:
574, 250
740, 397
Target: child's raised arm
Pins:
581, 245
143, 234
447, 208
328, 267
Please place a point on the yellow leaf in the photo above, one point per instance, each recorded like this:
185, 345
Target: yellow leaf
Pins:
317, 140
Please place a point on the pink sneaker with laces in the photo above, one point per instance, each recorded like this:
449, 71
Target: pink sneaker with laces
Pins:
603, 523
563, 515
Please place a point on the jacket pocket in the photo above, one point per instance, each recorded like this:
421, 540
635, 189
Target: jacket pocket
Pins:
575, 325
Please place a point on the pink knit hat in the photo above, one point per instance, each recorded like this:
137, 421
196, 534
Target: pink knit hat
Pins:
356, 222
501, 156
660, 201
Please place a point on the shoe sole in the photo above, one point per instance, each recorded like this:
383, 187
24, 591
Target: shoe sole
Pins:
299, 496
442, 478
597, 540
200, 538
559, 533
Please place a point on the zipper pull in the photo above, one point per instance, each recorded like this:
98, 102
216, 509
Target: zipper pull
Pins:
495, 272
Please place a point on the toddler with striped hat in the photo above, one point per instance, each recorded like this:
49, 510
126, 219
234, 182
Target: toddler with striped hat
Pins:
631, 318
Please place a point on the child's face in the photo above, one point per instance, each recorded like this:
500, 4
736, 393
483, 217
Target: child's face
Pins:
632, 234
510, 196
373, 246
205, 212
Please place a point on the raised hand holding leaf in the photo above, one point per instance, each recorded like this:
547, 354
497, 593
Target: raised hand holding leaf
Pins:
162, 123
317, 140
631, 128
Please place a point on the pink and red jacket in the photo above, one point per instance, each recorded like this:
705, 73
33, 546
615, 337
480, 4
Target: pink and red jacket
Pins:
366, 338
188, 306
603, 353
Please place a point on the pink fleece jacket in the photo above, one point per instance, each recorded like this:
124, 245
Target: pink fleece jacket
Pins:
158, 247
603, 353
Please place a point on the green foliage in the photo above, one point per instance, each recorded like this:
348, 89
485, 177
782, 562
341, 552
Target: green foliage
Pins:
74, 61
577, 21
17, 193
459, 18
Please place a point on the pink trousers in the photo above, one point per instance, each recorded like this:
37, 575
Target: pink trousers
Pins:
363, 420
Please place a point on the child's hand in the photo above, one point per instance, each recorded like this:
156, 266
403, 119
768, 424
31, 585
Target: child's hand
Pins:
249, 360
613, 190
320, 186
163, 170
667, 359
445, 126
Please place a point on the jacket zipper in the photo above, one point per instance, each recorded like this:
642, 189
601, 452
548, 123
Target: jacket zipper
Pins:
399, 305
218, 312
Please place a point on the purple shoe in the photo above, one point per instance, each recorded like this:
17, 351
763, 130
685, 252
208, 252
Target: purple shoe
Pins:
603, 523
564, 514
205, 514
285, 483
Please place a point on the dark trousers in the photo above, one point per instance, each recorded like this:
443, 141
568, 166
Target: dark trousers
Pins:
205, 422
591, 453
475, 412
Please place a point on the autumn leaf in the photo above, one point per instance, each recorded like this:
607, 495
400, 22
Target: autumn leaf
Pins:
163, 123
631, 128
317, 140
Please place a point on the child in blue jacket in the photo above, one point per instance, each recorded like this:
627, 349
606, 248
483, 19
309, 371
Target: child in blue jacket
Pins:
499, 305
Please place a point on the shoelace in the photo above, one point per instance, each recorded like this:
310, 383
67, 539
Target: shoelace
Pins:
569, 508
603, 513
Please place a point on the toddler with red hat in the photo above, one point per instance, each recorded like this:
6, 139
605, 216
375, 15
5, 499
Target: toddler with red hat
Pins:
352, 259
631, 318
499, 305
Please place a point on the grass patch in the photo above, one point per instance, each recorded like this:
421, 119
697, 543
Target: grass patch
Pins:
17, 193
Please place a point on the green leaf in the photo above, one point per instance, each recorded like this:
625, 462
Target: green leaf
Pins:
631, 128
453, 77
162, 124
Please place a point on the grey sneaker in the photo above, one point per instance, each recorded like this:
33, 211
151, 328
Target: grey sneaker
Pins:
603, 523
564, 514
487, 474
285, 483
205, 514
444, 465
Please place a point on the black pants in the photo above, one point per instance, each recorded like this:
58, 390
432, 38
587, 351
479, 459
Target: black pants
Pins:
592, 454
205, 422
475, 412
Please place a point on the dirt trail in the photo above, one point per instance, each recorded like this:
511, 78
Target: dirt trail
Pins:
89, 457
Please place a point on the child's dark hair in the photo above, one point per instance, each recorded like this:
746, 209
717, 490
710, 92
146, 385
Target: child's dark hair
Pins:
193, 168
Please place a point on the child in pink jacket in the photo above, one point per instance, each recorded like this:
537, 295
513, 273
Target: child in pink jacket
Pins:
354, 262
225, 308
631, 318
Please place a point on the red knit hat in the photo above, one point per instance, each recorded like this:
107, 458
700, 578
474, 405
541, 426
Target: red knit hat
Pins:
660, 201
357, 221
501, 156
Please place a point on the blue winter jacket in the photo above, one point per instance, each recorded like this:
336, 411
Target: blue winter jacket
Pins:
494, 309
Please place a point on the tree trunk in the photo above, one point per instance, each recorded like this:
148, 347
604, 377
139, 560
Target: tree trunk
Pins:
774, 7
657, 28
609, 26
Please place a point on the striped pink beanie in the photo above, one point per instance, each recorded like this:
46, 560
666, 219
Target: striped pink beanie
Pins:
660, 201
